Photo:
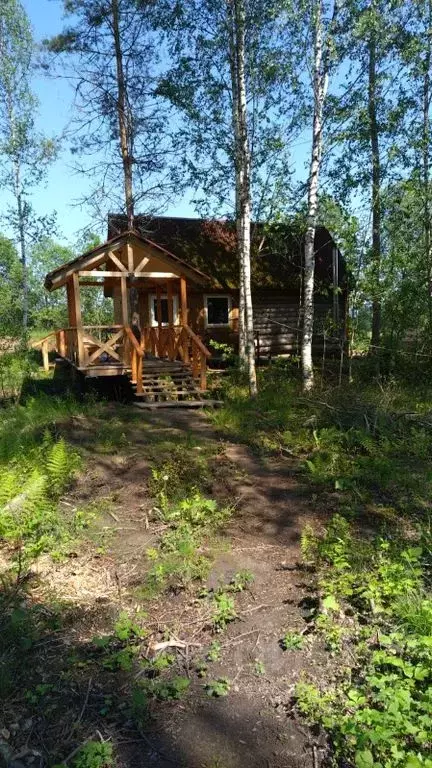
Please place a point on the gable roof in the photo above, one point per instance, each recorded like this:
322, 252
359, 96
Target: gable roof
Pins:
209, 245
98, 255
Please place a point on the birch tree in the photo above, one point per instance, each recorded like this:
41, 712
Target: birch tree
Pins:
242, 164
24, 153
228, 80
322, 49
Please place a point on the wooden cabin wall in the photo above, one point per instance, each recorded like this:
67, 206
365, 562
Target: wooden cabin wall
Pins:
276, 321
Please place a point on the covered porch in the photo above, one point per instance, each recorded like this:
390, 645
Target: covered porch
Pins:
149, 290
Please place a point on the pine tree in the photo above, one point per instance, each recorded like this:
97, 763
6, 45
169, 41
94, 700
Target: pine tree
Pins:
119, 126
24, 153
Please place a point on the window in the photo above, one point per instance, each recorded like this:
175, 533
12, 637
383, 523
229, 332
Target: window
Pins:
217, 310
164, 306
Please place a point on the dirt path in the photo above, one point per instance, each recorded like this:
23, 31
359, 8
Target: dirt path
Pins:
253, 725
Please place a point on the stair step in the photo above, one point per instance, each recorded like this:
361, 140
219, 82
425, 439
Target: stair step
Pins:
179, 404
169, 394
174, 377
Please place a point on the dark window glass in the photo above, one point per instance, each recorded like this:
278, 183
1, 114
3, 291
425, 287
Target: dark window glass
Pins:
217, 310
164, 303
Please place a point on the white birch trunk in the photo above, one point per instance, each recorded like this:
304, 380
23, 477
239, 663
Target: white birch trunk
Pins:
235, 122
320, 81
243, 191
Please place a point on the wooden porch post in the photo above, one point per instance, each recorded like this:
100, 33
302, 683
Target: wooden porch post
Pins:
75, 317
159, 306
183, 301
171, 343
170, 304
124, 300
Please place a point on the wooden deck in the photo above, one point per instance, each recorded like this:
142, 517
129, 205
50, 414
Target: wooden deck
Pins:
117, 350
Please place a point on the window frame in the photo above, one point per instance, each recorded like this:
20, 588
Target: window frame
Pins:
226, 296
153, 316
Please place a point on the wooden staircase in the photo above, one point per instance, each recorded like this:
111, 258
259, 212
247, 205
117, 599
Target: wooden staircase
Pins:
167, 384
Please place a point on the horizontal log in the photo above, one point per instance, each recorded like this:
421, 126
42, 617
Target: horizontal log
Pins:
107, 273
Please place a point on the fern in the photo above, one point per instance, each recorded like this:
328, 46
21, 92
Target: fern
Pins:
61, 463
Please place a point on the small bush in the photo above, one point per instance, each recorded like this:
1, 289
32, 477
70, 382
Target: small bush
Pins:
379, 714
95, 754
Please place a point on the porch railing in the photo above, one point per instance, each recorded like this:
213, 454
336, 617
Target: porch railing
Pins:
117, 345
178, 342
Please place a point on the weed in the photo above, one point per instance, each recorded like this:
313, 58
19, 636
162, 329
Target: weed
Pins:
179, 476
217, 688
179, 559
164, 690
241, 580
201, 668
380, 712
292, 641
259, 667
214, 652
223, 610
94, 754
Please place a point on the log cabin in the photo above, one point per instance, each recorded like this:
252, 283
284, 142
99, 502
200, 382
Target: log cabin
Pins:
277, 270
174, 289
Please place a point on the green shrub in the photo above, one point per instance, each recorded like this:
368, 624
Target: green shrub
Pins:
95, 754
15, 368
29, 517
380, 713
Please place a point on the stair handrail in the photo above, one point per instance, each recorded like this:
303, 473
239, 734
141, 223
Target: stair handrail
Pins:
39, 342
196, 340
136, 359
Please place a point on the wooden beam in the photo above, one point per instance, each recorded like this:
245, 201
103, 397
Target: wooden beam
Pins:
142, 264
82, 357
108, 273
112, 257
159, 306
130, 257
45, 358
170, 304
124, 301
91, 283
183, 301
70, 303
99, 256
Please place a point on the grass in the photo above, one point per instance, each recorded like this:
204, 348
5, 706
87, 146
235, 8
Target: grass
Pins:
369, 444
365, 451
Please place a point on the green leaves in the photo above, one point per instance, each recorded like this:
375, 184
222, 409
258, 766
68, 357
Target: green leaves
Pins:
382, 718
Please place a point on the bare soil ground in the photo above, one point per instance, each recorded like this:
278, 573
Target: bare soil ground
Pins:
255, 724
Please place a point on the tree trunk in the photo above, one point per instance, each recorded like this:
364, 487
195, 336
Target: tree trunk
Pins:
376, 194
426, 165
123, 118
22, 239
242, 322
243, 191
235, 121
320, 80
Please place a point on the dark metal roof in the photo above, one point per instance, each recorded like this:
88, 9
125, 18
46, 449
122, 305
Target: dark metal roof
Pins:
209, 245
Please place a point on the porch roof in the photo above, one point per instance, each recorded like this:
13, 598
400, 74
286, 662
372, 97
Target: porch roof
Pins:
97, 256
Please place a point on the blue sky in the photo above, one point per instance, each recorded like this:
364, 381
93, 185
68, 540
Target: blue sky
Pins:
63, 187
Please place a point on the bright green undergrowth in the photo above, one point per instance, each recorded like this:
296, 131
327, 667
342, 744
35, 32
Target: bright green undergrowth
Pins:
185, 549
179, 480
365, 450
37, 466
376, 612
370, 444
